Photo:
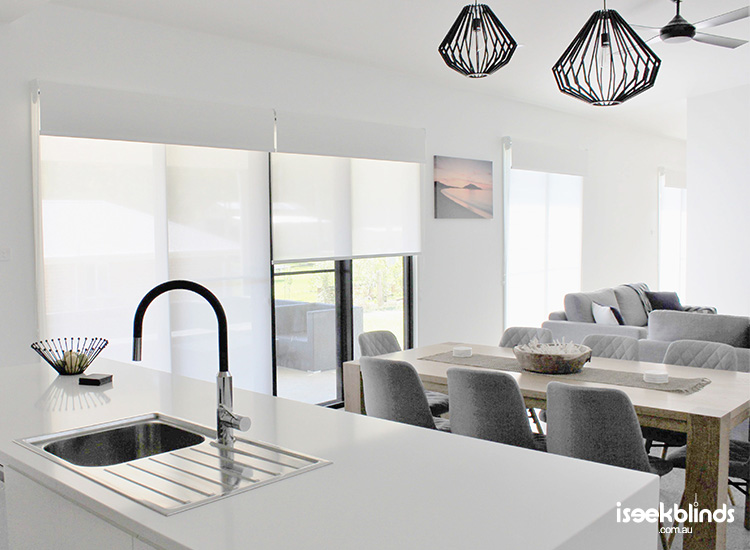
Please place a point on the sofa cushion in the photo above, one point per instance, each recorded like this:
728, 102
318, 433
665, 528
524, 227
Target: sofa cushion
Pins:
578, 304
664, 300
667, 326
606, 315
630, 306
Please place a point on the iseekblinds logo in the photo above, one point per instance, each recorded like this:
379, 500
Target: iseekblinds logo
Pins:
694, 514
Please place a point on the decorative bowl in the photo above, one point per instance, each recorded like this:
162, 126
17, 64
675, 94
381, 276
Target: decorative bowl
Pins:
69, 355
552, 363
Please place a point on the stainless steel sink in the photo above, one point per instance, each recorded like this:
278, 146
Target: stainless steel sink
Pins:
116, 445
168, 464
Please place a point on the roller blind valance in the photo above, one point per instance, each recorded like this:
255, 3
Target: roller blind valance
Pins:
331, 136
86, 112
544, 157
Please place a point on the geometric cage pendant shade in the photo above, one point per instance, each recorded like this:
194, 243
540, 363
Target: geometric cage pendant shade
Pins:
477, 44
607, 63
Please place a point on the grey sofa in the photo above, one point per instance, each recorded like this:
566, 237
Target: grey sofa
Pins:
577, 321
666, 326
306, 334
653, 331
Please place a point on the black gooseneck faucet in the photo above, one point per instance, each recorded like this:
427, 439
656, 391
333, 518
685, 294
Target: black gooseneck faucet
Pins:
226, 420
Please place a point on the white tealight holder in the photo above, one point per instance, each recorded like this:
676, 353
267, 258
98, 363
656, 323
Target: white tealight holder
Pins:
462, 351
655, 377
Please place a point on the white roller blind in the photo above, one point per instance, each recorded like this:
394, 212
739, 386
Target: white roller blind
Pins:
322, 135
311, 207
335, 208
79, 111
217, 214
120, 217
550, 158
385, 207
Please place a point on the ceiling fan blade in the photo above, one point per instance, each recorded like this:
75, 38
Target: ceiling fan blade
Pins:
645, 27
723, 41
723, 19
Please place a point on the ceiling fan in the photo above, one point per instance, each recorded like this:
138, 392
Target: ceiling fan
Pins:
680, 30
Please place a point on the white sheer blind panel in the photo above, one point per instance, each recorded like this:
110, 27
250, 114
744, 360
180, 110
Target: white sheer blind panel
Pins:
543, 243
311, 198
80, 111
102, 226
542, 157
323, 135
672, 231
121, 217
217, 210
335, 208
385, 208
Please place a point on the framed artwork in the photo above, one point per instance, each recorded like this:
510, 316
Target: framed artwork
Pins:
463, 188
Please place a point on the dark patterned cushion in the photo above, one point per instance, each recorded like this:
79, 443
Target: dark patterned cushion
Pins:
438, 402
664, 300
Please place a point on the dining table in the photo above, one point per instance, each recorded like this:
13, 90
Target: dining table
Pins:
706, 415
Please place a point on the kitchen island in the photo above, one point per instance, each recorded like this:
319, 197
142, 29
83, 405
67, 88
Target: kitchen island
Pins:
388, 485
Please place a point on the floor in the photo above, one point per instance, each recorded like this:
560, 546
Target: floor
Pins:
738, 538
306, 386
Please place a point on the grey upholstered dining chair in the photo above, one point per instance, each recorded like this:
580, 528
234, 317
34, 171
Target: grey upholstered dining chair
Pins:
612, 346
600, 425
706, 355
517, 336
393, 391
689, 353
380, 342
488, 405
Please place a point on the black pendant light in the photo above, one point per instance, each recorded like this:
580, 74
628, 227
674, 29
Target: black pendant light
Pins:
607, 63
477, 44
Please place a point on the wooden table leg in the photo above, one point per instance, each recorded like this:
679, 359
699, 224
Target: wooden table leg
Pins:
706, 472
352, 389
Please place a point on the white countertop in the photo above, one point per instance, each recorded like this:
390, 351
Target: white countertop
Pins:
390, 485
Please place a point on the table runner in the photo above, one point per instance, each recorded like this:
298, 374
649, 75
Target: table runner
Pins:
588, 374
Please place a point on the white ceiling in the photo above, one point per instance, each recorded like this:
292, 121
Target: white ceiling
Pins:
403, 35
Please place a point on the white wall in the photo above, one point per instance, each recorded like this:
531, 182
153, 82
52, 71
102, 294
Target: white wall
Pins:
460, 282
718, 201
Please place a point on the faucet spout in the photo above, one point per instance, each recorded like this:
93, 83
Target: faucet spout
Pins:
158, 290
226, 420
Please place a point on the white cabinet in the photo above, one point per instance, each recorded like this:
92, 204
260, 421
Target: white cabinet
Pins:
39, 518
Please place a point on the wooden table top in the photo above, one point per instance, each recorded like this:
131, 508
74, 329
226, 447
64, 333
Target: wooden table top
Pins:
727, 394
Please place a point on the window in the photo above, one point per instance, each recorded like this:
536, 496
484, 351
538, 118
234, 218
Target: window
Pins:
543, 244
118, 217
342, 228
672, 231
